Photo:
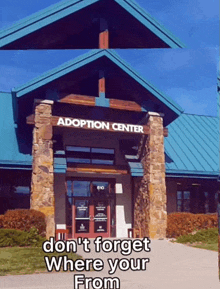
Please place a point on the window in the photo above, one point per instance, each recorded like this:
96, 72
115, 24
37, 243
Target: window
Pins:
209, 202
183, 201
22, 190
87, 155
14, 190
86, 189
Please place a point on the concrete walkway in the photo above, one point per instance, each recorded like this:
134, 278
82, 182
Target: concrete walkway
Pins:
171, 266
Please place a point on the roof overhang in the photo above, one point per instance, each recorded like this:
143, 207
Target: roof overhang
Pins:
77, 24
131, 86
191, 174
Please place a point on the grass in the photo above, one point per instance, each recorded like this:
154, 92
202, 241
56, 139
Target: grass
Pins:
204, 239
28, 260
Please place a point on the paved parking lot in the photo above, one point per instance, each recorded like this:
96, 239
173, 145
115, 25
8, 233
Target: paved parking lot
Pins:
171, 266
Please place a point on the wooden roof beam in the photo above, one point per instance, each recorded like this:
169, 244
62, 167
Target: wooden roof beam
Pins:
91, 101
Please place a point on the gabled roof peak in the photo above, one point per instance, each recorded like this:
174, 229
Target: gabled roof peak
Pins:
87, 68
76, 24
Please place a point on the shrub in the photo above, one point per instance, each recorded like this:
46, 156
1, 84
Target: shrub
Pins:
1, 221
179, 224
24, 220
11, 237
209, 236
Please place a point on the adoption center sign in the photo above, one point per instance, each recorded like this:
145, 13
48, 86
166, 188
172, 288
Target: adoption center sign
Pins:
99, 125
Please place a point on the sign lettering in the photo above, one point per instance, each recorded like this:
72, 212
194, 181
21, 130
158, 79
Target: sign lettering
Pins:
100, 125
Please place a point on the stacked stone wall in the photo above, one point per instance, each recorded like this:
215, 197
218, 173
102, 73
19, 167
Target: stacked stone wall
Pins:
150, 213
42, 184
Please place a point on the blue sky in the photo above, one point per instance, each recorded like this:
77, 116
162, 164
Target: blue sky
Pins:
189, 76
195, 22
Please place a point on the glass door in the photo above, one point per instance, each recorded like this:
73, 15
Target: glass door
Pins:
82, 217
90, 201
101, 195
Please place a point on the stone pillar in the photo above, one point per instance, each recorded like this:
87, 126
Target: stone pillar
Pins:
42, 184
150, 212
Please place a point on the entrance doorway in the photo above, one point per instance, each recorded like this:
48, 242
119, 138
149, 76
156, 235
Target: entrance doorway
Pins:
91, 208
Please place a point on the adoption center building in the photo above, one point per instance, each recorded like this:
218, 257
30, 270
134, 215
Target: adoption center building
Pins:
91, 144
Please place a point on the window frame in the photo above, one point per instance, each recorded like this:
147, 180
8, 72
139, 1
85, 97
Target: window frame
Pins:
90, 156
183, 201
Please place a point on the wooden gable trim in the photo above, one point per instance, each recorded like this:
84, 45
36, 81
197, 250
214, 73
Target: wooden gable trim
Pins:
90, 101
78, 99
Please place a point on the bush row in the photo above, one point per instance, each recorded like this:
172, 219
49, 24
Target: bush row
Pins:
1, 221
208, 236
11, 237
179, 224
24, 220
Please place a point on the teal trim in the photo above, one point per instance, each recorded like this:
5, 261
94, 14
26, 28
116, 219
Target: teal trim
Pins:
102, 95
13, 150
140, 171
192, 176
144, 109
58, 72
88, 58
188, 173
112, 55
59, 169
60, 152
148, 21
101, 100
41, 19
136, 174
16, 168
59, 161
135, 165
60, 164
15, 163
62, 9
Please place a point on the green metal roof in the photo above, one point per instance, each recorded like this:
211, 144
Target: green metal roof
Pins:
10, 143
63, 9
192, 147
